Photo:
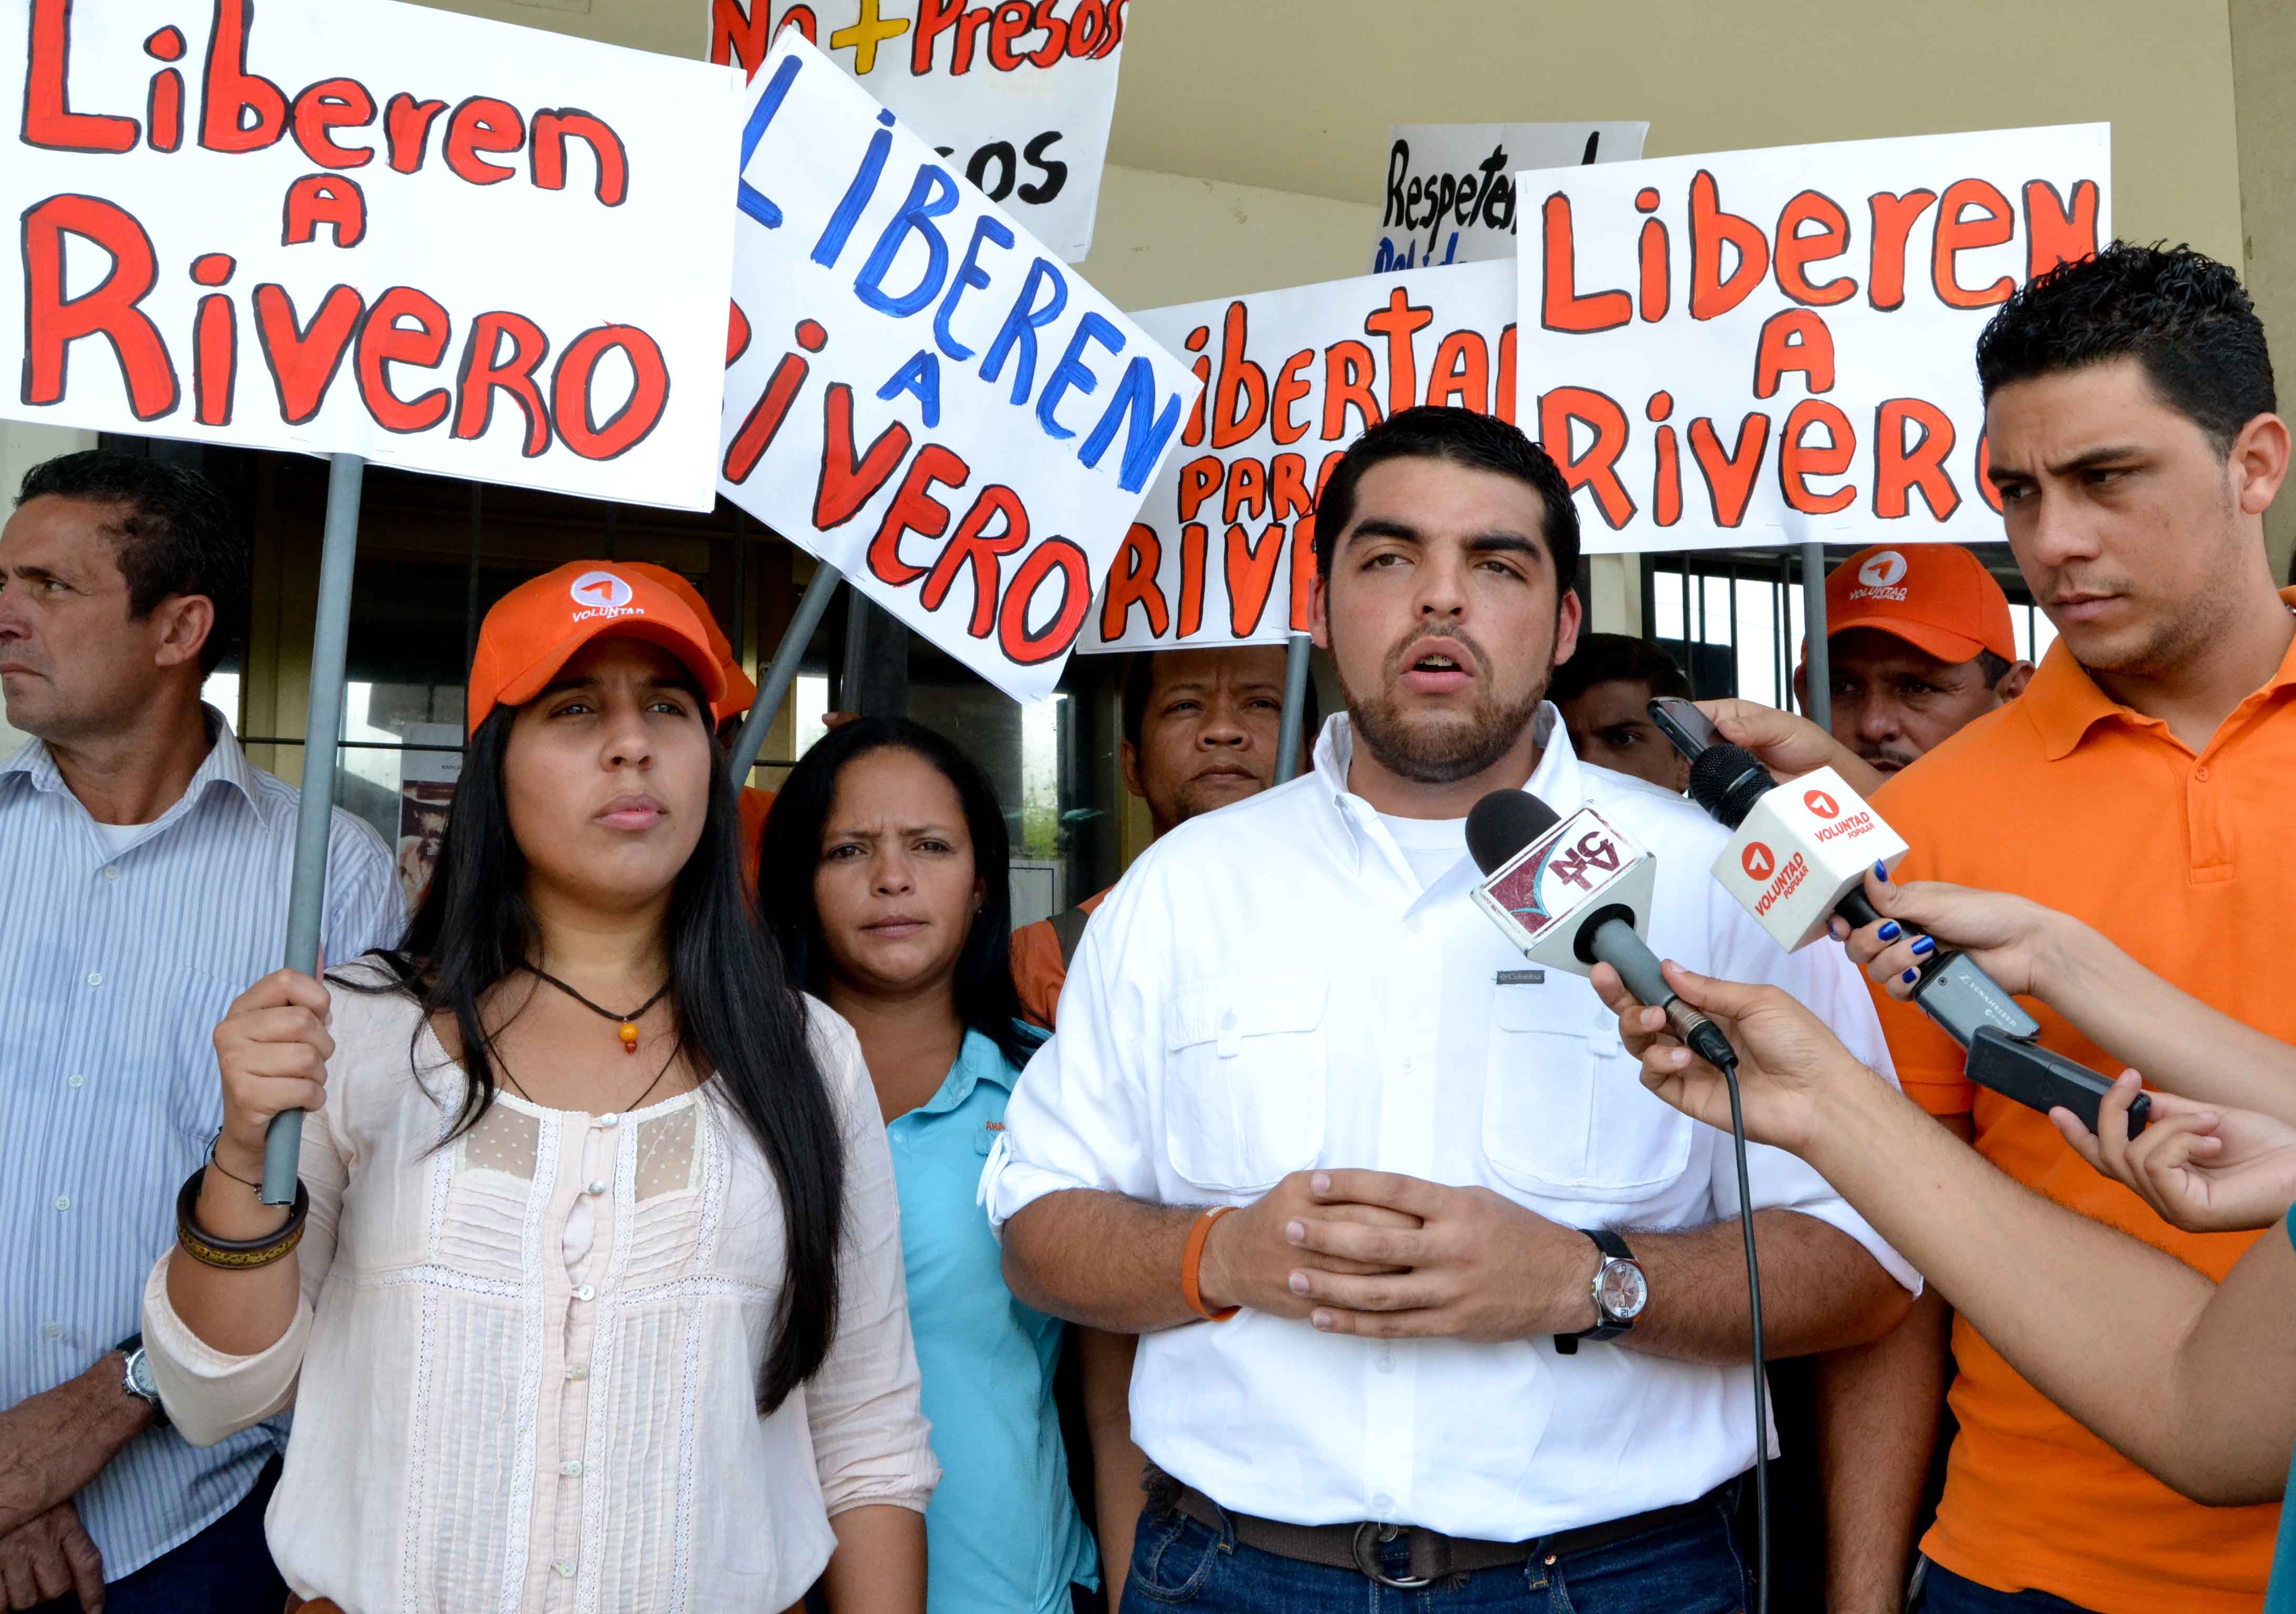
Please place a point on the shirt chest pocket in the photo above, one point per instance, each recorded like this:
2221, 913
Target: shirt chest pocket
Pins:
1244, 1090
1565, 1113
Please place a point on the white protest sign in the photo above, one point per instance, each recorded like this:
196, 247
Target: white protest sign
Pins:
917, 392
1778, 346
1017, 95
1450, 193
366, 227
1223, 551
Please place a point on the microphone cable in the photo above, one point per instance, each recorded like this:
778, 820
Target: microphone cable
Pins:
1761, 1377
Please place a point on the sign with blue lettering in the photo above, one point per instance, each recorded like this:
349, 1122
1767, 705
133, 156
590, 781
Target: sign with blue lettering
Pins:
919, 392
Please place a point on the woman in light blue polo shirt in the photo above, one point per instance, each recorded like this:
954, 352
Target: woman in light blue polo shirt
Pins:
884, 876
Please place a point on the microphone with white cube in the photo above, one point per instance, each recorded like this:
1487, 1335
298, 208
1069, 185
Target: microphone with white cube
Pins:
1798, 856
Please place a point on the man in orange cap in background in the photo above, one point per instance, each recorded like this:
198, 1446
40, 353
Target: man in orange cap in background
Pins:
1918, 646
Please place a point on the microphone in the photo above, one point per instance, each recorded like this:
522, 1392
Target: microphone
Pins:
1574, 892
1799, 856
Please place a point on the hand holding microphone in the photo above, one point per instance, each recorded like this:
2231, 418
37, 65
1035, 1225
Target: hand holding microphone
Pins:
1789, 1064
2012, 940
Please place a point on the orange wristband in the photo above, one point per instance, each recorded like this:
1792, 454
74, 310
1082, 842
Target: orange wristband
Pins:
1192, 1261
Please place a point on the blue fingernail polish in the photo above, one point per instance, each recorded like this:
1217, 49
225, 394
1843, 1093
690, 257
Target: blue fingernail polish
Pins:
1889, 932
1923, 946
1881, 873
1912, 976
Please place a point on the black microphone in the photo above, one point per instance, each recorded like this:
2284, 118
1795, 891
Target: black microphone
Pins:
1586, 922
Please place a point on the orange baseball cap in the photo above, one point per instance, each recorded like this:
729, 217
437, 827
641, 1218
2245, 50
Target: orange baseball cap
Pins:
1939, 598
536, 628
741, 691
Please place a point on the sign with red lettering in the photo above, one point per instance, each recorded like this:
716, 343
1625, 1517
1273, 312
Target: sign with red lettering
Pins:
1223, 551
1449, 196
918, 392
1776, 347
1017, 96
355, 226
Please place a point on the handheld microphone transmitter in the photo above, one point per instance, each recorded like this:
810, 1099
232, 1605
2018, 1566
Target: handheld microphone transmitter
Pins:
1572, 893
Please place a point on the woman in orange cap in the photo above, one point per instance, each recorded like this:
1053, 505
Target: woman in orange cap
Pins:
591, 1296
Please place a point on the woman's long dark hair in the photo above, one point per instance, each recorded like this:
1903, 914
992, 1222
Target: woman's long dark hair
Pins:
738, 1016
987, 1000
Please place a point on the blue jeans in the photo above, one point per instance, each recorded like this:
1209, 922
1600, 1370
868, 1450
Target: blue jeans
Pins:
224, 1569
1691, 1567
1943, 1591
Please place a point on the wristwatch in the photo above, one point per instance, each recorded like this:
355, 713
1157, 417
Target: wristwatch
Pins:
140, 1383
1620, 1292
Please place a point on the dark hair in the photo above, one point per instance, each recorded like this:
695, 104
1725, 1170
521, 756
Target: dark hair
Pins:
1603, 658
1140, 683
987, 1000
738, 1015
1481, 443
177, 535
1993, 667
2182, 316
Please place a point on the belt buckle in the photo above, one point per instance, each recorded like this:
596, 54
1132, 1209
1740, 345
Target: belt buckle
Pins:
1367, 1557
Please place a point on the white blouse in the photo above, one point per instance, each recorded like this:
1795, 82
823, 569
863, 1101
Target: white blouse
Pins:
528, 1359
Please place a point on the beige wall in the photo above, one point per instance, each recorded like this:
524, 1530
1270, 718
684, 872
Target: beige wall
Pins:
2264, 84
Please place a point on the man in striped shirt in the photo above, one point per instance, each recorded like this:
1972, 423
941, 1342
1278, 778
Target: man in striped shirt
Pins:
144, 866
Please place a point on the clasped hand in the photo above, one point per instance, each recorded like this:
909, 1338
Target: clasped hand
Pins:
1391, 1257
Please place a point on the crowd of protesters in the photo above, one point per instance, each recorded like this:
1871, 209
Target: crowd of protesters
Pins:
709, 1200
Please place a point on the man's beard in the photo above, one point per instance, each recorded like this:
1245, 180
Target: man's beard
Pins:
1430, 750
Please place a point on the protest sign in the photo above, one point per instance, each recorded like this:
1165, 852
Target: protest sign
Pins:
1223, 553
1776, 347
1017, 96
918, 394
373, 228
1450, 186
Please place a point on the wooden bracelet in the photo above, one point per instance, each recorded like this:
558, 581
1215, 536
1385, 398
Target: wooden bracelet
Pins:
1192, 1261
236, 1255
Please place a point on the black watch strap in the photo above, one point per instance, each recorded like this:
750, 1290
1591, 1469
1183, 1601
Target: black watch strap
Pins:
1614, 1249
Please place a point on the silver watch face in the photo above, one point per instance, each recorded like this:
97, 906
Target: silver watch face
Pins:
1621, 1291
139, 1374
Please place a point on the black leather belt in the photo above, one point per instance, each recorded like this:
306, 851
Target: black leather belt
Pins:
1434, 1556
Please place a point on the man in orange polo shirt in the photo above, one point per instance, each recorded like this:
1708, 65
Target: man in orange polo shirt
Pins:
2141, 784
1918, 646
1201, 730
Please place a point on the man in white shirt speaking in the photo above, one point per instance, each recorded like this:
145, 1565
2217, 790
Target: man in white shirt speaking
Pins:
1291, 1009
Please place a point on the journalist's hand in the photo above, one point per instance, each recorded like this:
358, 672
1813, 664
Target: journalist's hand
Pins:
2011, 939
1477, 1266
273, 1048
1789, 1064
1789, 746
1249, 1259
2202, 1168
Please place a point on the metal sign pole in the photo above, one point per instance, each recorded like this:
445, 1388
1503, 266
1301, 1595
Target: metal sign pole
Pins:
782, 671
1818, 681
323, 725
1295, 705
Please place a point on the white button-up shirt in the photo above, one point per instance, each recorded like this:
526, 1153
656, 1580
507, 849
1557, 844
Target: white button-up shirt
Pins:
1271, 988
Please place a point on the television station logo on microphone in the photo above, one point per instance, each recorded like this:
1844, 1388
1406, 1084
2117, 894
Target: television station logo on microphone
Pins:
1583, 866
1800, 849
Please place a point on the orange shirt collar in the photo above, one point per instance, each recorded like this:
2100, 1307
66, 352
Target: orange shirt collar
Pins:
2065, 703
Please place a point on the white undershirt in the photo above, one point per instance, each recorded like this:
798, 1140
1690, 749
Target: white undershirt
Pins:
1430, 845
116, 837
